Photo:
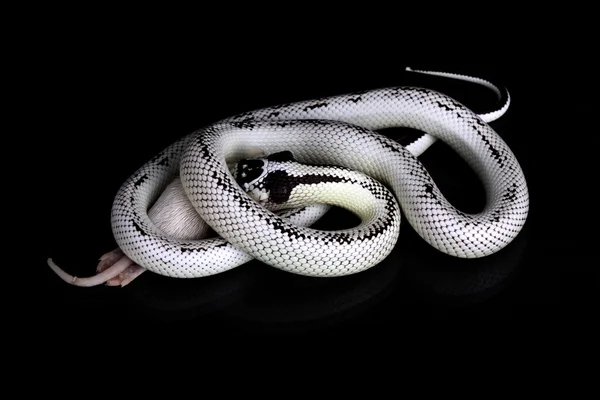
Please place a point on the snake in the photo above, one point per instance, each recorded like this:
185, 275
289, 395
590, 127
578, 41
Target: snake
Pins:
362, 167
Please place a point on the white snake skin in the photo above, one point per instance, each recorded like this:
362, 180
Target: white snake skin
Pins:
334, 131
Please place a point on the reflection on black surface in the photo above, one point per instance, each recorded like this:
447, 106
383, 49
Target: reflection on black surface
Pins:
258, 298
458, 281
162, 298
295, 303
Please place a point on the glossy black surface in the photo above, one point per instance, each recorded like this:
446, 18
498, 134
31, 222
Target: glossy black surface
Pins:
110, 119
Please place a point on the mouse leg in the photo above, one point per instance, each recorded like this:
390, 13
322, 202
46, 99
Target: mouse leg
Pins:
108, 259
123, 278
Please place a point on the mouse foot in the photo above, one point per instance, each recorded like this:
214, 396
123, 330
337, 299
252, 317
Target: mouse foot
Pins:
125, 277
114, 269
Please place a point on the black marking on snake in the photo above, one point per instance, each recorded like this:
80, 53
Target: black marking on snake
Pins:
244, 202
355, 99
283, 124
495, 153
430, 194
456, 104
315, 106
281, 156
274, 114
203, 249
374, 231
222, 179
444, 106
204, 150
156, 157
420, 90
164, 162
141, 180
458, 114
360, 129
496, 216
397, 91
420, 172
462, 214
247, 123
511, 194
243, 115
139, 228
469, 217
393, 146
322, 122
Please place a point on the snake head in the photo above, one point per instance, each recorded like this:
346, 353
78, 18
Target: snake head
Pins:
248, 172
251, 174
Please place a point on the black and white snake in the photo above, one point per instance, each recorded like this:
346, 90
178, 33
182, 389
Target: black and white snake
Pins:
336, 132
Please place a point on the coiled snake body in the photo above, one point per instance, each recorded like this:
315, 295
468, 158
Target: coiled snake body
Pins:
335, 131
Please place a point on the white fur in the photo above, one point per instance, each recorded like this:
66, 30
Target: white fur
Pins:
173, 214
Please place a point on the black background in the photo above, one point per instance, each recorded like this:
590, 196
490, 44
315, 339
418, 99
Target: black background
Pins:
107, 113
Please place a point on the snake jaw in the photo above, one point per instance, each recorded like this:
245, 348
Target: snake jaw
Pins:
258, 194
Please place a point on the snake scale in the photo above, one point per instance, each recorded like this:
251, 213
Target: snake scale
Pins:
339, 132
